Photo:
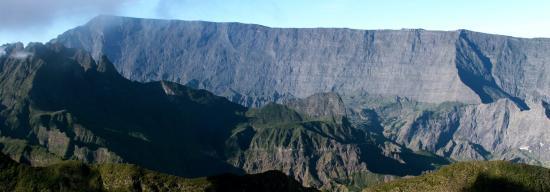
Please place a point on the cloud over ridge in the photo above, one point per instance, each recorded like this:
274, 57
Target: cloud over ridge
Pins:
24, 14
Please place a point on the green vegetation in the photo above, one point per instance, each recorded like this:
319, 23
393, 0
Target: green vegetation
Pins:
475, 176
97, 116
77, 176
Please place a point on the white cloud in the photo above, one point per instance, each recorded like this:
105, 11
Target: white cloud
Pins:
39, 21
21, 54
24, 14
2, 51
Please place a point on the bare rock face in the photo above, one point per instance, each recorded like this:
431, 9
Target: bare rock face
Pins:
252, 64
307, 156
498, 130
263, 62
319, 105
507, 132
317, 152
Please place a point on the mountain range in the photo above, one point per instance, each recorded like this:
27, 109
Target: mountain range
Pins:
335, 109
60, 104
460, 94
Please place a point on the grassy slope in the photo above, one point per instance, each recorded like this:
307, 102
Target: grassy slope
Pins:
475, 176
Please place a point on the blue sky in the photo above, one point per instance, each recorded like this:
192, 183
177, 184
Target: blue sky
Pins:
36, 20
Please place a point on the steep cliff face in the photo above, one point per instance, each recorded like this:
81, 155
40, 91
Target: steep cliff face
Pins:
252, 64
519, 66
267, 64
475, 69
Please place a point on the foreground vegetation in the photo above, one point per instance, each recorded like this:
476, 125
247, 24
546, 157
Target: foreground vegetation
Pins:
475, 176
77, 176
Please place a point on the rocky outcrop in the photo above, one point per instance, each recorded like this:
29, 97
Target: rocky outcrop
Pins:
498, 130
318, 153
320, 149
319, 105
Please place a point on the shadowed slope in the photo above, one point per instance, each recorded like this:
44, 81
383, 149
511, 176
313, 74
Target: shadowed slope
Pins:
63, 101
475, 70
77, 176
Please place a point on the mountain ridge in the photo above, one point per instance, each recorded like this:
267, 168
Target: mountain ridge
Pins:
358, 106
102, 16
